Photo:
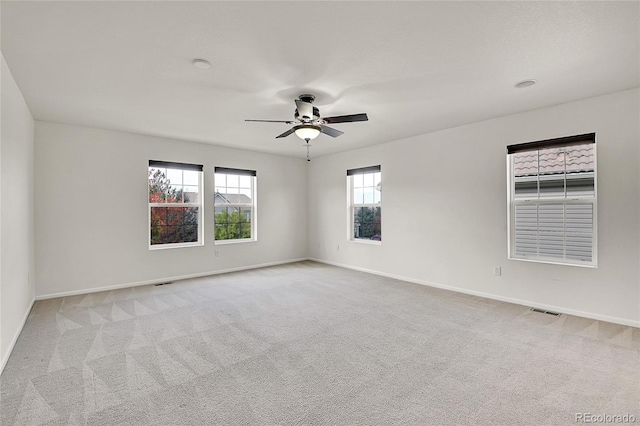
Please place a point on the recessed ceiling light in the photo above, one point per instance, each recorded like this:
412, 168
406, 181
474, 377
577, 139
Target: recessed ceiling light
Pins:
525, 83
201, 63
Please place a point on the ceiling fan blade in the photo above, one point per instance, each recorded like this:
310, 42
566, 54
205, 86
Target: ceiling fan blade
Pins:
273, 121
285, 134
346, 118
331, 131
305, 109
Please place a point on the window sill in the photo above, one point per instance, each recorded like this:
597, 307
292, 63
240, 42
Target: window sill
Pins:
555, 262
172, 246
363, 241
245, 240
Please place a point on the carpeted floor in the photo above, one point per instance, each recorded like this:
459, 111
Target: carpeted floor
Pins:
308, 343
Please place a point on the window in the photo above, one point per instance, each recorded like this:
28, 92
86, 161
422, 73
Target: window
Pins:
175, 204
365, 209
234, 204
552, 201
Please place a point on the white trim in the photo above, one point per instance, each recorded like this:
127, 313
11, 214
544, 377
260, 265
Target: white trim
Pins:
616, 320
349, 211
253, 206
238, 241
583, 314
365, 241
510, 224
5, 357
165, 279
351, 206
254, 209
551, 261
175, 245
512, 202
199, 205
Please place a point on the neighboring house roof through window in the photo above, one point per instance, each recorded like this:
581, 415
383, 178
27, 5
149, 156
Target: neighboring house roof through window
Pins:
231, 198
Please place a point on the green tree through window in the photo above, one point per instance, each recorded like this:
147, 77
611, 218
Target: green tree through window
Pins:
232, 224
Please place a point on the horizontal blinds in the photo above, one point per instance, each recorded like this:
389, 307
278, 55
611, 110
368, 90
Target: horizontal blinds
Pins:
363, 170
561, 231
229, 171
552, 143
173, 165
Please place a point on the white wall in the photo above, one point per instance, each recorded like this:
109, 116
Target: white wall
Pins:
444, 220
17, 289
92, 212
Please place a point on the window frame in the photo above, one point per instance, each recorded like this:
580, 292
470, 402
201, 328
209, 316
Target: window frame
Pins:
351, 205
253, 205
564, 200
199, 205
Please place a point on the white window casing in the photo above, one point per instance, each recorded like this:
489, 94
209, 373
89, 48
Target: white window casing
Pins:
235, 205
175, 209
364, 201
552, 201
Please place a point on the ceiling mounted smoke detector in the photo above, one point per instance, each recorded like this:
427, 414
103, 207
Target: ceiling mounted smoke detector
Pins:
201, 63
525, 83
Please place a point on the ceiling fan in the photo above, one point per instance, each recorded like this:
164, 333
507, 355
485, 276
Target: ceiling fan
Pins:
307, 121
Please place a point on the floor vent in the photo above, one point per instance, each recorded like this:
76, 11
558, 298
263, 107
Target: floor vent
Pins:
542, 311
163, 283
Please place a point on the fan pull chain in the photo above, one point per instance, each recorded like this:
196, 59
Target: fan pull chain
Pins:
308, 159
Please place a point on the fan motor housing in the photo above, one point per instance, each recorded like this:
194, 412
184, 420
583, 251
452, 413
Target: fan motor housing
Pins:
316, 115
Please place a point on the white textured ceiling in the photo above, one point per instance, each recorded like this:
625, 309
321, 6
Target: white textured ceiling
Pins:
414, 67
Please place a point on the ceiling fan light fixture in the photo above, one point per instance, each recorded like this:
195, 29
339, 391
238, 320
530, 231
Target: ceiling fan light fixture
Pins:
307, 131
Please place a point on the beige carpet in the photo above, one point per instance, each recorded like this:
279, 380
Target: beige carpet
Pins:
312, 344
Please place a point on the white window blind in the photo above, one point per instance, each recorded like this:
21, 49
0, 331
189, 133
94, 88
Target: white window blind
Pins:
552, 201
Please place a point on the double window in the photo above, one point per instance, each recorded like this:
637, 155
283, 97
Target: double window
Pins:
552, 201
365, 207
175, 204
234, 204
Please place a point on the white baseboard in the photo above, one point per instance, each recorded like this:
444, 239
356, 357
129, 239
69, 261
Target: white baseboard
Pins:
568, 311
5, 356
590, 315
165, 279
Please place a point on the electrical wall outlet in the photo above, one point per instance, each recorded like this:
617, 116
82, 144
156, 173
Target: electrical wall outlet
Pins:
497, 271
215, 253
